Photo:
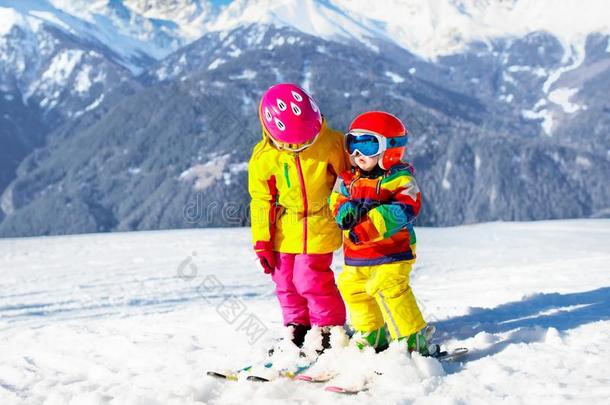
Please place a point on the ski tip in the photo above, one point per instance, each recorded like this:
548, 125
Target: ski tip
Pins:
257, 378
452, 355
341, 390
302, 377
332, 388
224, 376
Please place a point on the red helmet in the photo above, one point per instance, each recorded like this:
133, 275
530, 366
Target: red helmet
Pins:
388, 126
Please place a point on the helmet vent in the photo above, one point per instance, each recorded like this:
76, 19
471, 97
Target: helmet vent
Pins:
281, 105
297, 96
314, 105
268, 115
295, 108
280, 125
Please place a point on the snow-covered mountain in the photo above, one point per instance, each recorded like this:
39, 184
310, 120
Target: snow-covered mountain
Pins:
137, 318
147, 28
136, 33
428, 28
471, 78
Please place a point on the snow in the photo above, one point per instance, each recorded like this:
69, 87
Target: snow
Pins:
234, 52
584, 162
276, 41
508, 98
445, 182
519, 68
96, 103
436, 28
132, 318
395, 77
83, 81
306, 84
9, 18
544, 115
562, 97
428, 29
238, 167
247, 74
215, 63
61, 67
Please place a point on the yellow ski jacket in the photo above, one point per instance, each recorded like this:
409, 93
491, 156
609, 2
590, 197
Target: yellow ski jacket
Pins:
289, 210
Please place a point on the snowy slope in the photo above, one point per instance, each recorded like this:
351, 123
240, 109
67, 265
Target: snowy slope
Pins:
132, 318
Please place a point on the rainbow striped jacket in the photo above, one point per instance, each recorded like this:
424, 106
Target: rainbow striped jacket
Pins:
385, 232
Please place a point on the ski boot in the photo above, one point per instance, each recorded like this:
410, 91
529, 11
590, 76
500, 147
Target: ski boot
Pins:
377, 339
419, 342
321, 338
293, 333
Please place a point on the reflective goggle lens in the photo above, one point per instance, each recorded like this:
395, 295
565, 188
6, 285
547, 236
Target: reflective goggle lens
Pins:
367, 145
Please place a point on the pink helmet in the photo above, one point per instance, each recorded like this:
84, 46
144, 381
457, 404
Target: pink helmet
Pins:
290, 115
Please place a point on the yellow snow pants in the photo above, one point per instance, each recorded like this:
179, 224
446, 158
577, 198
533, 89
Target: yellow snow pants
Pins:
381, 294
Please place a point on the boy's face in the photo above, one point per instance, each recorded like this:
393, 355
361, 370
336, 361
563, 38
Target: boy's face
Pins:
366, 163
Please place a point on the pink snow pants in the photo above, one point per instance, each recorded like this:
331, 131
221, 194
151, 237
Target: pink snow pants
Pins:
305, 286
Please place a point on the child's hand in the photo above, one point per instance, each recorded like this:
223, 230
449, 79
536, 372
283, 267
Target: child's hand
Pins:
354, 211
353, 237
349, 221
266, 259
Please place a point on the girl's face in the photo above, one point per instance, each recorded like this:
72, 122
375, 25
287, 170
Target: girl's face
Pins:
366, 163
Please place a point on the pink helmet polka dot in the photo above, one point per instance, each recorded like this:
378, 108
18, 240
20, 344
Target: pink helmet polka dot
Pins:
290, 115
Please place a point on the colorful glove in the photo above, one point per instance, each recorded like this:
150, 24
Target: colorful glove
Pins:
267, 259
354, 211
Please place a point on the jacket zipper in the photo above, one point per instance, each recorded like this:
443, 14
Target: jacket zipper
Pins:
286, 176
351, 184
304, 194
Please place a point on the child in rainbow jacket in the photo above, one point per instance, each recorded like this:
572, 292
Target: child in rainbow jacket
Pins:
375, 204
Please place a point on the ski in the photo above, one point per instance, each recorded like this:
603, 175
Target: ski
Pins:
356, 388
233, 375
320, 378
451, 355
284, 373
350, 388
345, 390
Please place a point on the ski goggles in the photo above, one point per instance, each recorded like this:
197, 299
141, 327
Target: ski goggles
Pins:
370, 144
293, 147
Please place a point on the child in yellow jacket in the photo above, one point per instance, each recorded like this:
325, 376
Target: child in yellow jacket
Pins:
291, 175
375, 204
